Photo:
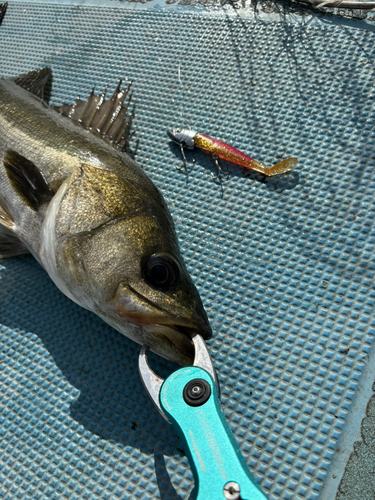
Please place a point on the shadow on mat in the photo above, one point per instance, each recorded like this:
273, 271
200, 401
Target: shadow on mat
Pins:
94, 358
166, 488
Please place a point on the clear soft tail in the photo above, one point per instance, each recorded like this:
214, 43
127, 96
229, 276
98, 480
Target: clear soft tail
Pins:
280, 168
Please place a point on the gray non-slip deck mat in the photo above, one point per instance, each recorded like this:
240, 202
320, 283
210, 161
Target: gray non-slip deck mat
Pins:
285, 266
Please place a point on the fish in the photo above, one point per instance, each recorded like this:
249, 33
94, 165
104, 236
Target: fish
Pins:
190, 139
72, 197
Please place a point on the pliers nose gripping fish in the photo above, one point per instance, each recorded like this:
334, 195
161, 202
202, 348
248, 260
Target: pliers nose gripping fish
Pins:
189, 400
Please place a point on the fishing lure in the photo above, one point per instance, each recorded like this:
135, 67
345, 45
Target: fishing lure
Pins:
190, 139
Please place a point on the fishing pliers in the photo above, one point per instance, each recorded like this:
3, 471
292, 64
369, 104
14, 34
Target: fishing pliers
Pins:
189, 400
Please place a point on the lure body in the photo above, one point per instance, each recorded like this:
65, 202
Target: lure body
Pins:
223, 151
219, 149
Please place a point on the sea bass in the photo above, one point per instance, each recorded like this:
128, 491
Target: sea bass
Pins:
92, 218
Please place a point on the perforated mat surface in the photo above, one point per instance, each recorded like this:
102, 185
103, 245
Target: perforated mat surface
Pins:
284, 266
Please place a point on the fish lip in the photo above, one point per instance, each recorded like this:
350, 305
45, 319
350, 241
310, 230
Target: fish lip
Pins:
188, 326
180, 337
176, 331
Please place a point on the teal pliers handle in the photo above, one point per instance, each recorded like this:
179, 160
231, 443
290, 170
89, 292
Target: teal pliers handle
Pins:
219, 469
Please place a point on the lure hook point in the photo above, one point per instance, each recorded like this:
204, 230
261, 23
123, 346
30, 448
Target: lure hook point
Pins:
220, 170
185, 167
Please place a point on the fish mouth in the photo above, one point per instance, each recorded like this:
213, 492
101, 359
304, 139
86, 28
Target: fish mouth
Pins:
173, 329
178, 337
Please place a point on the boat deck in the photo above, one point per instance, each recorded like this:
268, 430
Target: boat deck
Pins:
285, 266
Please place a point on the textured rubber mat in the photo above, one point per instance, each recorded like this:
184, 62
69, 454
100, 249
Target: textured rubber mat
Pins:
285, 266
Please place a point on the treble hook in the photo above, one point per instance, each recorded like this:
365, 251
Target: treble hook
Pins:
184, 167
220, 170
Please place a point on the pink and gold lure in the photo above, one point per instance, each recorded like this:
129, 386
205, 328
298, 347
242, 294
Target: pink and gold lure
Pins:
217, 149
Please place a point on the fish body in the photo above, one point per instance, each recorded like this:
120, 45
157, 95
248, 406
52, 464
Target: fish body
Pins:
219, 149
92, 218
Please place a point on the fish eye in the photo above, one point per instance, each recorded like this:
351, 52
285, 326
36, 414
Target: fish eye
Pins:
161, 271
178, 130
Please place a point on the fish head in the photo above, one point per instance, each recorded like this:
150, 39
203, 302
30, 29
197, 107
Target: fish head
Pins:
154, 291
116, 253
183, 137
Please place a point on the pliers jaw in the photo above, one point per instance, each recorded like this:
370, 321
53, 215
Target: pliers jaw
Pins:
153, 383
188, 399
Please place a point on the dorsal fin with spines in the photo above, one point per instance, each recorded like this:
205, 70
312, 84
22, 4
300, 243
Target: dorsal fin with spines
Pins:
106, 118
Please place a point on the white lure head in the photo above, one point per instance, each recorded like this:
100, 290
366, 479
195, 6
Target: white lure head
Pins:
183, 137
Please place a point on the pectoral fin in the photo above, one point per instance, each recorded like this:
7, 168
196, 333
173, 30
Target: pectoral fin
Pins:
27, 180
5, 218
10, 245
